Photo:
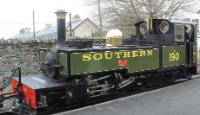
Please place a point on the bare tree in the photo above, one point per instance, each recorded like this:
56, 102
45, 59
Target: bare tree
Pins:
123, 14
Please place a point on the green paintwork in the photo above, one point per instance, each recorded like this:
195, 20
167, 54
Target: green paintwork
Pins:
194, 53
195, 32
42, 59
195, 44
144, 63
173, 55
134, 64
62, 59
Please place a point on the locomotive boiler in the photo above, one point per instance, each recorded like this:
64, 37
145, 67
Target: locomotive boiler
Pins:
163, 52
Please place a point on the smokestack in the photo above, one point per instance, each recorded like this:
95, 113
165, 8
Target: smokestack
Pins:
60, 28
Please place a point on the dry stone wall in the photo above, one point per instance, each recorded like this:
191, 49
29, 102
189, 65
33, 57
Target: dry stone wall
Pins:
23, 52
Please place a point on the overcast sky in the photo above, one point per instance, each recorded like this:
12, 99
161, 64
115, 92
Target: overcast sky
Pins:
16, 14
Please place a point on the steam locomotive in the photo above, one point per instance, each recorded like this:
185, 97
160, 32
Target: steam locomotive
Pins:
162, 52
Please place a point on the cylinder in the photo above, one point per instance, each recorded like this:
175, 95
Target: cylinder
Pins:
60, 28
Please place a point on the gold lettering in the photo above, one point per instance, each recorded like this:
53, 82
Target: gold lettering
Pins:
86, 57
149, 52
177, 56
108, 55
142, 53
97, 56
127, 54
134, 53
118, 54
174, 56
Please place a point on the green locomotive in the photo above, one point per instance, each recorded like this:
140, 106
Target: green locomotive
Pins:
162, 52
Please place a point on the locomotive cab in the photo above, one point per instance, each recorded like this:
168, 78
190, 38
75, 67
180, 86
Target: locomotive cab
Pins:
165, 32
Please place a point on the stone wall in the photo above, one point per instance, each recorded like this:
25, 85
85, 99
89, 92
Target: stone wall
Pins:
23, 52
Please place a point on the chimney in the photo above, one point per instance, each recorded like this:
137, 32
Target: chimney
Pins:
76, 18
60, 28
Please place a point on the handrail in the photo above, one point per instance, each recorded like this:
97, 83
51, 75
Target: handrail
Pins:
8, 81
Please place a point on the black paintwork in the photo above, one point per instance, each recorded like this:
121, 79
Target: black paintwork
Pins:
69, 65
40, 81
60, 32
